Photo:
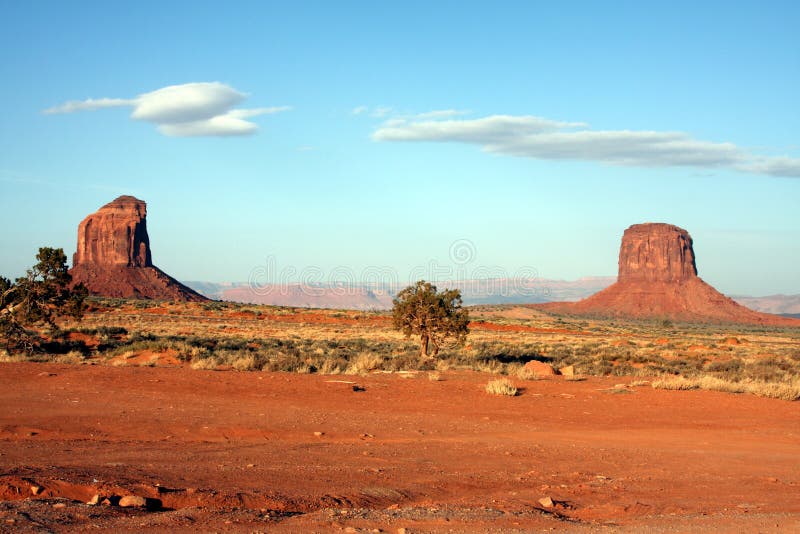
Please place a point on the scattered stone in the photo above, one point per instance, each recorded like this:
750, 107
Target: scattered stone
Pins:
402, 530
59, 505
547, 502
94, 501
540, 369
569, 370
132, 501
319, 434
359, 388
36, 490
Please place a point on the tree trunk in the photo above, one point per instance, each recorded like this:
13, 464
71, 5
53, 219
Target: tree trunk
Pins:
423, 346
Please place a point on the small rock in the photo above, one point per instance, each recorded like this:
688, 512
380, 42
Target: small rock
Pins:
133, 501
350, 529
540, 369
94, 501
59, 505
569, 370
36, 490
356, 387
319, 434
402, 530
251, 465
547, 502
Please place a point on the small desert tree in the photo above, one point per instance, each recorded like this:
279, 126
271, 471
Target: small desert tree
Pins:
38, 299
432, 315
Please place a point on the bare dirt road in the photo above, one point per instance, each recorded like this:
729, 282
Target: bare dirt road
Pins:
252, 451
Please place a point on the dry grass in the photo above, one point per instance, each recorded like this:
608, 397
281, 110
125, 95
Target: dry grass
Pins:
526, 373
364, 363
204, 364
501, 386
249, 337
788, 391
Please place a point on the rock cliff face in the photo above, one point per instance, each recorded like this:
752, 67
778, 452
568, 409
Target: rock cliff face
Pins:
114, 259
656, 252
658, 280
115, 235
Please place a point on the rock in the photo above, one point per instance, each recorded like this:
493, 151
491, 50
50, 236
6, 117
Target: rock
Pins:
547, 502
113, 257
319, 434
134, 501
94, 501
540, 369
59, 505
656, 252
36, 490
569, 370
658, 279
115, 235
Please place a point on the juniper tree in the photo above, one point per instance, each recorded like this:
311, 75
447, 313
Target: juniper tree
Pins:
432, 315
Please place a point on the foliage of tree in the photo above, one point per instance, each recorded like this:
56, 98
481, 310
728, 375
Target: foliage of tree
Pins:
432, 315
38, 299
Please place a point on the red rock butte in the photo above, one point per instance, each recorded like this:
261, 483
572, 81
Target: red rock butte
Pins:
114, 259
658, 280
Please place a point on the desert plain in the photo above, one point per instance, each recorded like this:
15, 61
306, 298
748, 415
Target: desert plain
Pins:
236, 418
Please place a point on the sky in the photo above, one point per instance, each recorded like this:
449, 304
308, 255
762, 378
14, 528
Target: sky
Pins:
326, 140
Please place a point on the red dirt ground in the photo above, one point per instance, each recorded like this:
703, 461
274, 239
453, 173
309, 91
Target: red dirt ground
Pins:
237, 452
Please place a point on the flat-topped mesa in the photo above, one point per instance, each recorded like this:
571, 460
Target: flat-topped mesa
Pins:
116, 234
114, 259
658, 280
656, 252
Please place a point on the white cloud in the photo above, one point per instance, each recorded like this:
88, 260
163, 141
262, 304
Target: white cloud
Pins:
188, 110
381, 112
440, 114
535, 137
91, 104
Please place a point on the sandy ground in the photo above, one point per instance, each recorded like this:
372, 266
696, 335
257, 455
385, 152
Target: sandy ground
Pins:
251, 451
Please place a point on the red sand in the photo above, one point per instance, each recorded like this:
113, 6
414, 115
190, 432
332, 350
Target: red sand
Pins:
237, 451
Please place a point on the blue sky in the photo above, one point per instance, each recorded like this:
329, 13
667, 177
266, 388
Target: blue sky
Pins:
556, 126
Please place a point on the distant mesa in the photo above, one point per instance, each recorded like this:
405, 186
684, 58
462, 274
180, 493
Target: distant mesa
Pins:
658, 280
114, 258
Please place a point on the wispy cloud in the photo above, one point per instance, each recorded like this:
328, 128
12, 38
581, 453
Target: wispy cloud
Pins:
440, 114
539, 138
188, 110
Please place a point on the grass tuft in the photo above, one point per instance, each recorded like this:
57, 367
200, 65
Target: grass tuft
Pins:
501, 386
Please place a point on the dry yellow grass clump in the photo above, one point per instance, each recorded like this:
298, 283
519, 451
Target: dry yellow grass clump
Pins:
789, 391
502, 386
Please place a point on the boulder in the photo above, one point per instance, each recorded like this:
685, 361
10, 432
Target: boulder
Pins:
540, 369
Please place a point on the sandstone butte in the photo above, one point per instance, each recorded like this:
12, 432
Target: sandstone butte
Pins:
114, 258
658, 280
